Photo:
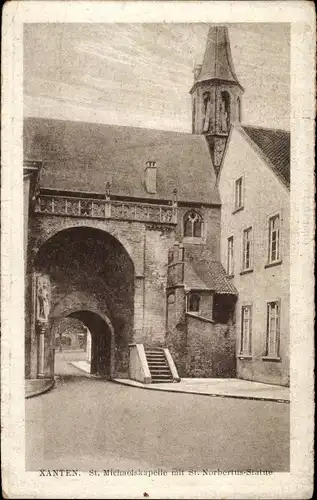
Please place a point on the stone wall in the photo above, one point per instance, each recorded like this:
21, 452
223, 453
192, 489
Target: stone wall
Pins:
124, 280
157, 243
199, 346
211, 348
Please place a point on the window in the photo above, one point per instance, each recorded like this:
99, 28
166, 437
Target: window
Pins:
225, 111
170, 256
274, 238
66, 341
207, 111
238, 193
273, 329
246, 319
247, 249
194, 117
230, 256
193, 225
171, 298
193, 302
150, 177
239, 109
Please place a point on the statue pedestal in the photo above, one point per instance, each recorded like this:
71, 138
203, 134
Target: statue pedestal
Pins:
41, 329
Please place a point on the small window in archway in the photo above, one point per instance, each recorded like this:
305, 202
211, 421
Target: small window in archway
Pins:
193, 303
193, 224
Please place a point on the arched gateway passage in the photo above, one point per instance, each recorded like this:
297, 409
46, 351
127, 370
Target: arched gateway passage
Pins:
91, 279
99, 353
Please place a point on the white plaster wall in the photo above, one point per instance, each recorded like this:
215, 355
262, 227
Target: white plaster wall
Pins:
264, 195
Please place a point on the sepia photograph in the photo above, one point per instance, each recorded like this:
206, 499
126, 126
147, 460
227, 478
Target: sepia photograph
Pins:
157, 181
159, 235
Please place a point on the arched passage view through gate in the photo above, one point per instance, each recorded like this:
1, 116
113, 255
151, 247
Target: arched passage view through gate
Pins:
91, 280
87, 340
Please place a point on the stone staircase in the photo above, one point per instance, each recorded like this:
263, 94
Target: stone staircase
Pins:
158, 366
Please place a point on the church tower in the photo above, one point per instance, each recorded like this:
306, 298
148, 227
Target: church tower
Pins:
216, 94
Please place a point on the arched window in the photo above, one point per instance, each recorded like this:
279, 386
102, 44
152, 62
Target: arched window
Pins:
239, 109
193, 302
194, 117
193, 224
225, 118
207, 111
170, 256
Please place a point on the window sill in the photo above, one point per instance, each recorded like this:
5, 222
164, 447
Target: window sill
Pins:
236, 210
246, 271
245, 356
272, 264
271, 358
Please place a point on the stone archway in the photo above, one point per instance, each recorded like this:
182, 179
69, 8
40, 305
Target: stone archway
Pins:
91, 277
102, 358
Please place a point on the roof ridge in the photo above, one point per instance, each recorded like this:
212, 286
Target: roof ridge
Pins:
109, 125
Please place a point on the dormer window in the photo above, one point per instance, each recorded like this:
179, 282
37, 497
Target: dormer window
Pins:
193, 224
150, 177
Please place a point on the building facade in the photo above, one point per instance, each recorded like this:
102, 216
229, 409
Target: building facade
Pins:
254, 184
125, 234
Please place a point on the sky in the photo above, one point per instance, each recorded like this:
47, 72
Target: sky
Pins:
140, 74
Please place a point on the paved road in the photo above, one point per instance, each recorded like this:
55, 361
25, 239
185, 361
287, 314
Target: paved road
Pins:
87, 423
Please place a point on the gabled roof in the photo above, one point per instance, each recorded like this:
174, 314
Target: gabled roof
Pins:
217, 62
274, 146
83, 157
202, 272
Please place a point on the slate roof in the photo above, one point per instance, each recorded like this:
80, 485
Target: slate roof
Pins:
202, 273
83, 157
275, 146
217, 62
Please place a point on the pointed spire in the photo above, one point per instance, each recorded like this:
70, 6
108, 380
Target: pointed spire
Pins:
217, 63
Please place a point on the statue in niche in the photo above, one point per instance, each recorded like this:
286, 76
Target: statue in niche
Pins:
43, 299
207, 112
